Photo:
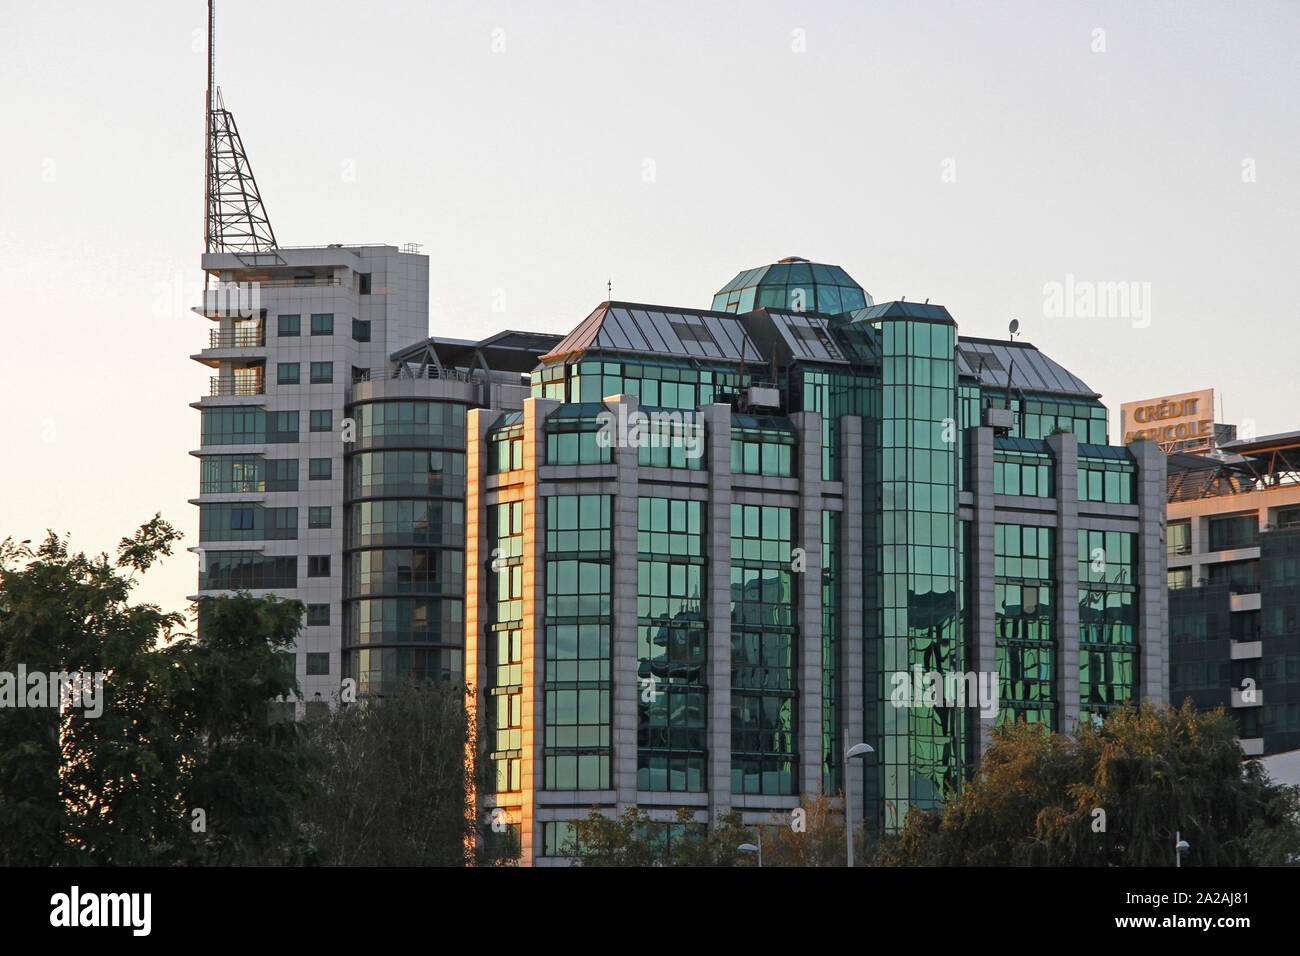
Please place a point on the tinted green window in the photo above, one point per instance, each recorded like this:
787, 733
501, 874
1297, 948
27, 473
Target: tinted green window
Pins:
322, 372
406, 473
409, 422
290, 325
281, 427
223, 474
235, 425
322, 323
282, 474
1234, 531
1179, 538
578, 694
234, 570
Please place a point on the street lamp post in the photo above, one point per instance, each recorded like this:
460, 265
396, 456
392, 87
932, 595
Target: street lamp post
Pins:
1179, 846
751, 848
857, 750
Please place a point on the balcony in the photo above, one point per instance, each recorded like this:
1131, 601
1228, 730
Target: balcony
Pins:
1246, 650
237, 338
238, 385
1256, 698
1241, 599
299, 282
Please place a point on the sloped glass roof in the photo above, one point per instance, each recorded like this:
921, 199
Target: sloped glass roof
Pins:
808, 336
794, 284
652, 329
1030, 370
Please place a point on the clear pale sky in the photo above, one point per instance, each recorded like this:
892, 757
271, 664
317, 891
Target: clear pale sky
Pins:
969, 153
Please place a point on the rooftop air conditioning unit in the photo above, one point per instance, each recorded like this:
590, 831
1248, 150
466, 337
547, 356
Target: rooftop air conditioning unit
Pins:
764, 397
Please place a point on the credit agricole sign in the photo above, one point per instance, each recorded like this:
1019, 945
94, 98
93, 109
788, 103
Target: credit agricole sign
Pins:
1184, 422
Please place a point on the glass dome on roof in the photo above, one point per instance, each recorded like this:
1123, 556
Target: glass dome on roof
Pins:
794, 284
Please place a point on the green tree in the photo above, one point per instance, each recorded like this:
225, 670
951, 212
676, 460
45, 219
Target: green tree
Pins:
249, 774
813, 835
635, 839
183, 724
1110, 795
395, 783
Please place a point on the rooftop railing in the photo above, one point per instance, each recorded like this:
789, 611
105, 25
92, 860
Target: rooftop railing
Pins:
411, 372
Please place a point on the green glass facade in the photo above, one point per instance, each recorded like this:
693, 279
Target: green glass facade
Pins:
764, 648
891, 497
404, 543
1028, 651
1108, 642
672, 646
504, 606
577, 712
912, 617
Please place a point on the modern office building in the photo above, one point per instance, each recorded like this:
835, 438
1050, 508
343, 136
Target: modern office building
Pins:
332, 455
679, 556
716, 545
1234, 586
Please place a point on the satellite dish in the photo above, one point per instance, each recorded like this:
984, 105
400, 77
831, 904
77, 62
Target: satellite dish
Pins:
1014, 327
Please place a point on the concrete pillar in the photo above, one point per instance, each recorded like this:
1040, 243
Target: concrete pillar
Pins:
853, 589
982, 618
808, 536
1151, 571
717, 545
1065, 451
534, 625
477, 423
623, 584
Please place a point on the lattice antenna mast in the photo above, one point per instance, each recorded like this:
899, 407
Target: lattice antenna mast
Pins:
234, 218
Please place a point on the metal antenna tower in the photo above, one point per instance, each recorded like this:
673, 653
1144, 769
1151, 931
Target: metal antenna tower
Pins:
234, 218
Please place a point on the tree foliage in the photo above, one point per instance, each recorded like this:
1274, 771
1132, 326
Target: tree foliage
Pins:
814, 836
184, 724
636, 839
395, 784
1111, 795
810, 835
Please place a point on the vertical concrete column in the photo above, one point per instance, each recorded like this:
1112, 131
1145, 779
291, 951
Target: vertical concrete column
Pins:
1152, 576
983, 639
623, 583
1065, 451
477, 422
717, 545
808, 536
533, 638
853, 590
